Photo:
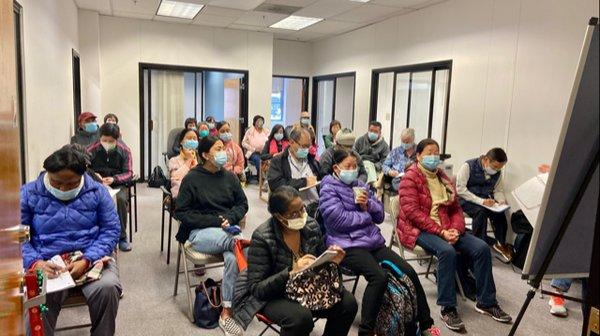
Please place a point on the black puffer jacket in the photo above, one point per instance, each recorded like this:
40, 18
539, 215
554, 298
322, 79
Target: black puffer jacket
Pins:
270, 260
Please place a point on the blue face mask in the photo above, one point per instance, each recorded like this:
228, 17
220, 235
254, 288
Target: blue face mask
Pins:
430, 162
305, 121
225, 137
203, 133
220, 159
278, 136
190, 144
91, 127
62, 195
348, 176
407, 146
373, 136
302, 153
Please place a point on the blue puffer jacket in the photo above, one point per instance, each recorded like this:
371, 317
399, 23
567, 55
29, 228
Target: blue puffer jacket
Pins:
89, 223
346, 224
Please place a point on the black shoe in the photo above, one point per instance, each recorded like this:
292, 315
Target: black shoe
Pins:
451, 319
495, 312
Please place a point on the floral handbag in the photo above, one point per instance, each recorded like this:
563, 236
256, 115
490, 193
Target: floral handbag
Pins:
316, 288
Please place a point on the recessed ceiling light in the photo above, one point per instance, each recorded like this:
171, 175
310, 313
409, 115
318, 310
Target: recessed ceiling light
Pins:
178, 9
294, 22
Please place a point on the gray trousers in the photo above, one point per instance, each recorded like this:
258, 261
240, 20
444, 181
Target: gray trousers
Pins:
102, 298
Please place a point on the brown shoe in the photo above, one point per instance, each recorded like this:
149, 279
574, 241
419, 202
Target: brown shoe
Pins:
504, 251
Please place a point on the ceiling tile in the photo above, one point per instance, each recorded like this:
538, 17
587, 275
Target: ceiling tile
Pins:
397, 3
427, 3
261, 19
368, 14
331, 27
237, 4
171, 19
134, 15
328, 8
297, 3
305, 36
213, 20
220, 11
245, 27
100, 6
137, 6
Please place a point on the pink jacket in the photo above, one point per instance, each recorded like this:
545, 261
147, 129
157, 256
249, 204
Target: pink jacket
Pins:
254, 140
178, 168
235, 158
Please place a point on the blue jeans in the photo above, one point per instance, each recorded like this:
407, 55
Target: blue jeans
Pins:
217, 241
477, 252
255, 160
563, 284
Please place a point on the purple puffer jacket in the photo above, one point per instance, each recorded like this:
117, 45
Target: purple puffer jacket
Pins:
346, 224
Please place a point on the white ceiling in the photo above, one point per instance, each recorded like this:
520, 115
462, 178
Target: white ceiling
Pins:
340, 16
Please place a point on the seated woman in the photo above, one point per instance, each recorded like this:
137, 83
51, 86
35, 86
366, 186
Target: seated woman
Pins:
210, 206
254, 140
276, 143
285, 243
187, 159
329, 139
431, 217
235, 155
351, 222
63, 202
203, 129
400, 157
212, 126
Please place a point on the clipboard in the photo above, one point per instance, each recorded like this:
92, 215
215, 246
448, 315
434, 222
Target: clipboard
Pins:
313, 186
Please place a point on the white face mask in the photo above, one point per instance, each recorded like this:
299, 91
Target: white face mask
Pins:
62, 195
297, 223
490, 171
108, 146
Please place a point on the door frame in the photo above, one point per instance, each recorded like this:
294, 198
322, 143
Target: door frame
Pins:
315, 95
305, 88
244, 91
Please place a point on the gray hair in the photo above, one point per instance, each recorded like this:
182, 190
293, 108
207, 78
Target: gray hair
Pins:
407, 133
297, 132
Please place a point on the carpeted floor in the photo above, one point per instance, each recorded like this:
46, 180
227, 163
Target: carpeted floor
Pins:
149, 308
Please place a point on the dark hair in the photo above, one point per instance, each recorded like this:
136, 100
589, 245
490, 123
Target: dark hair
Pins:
340, 154
497, 154
68, 157
297, 132
424, 143
111, 130
280, 199
375, 123
205, 145
333, 123
276, 129
111, 115
189, 121
221, 124
184, 132
257, 117
209, 119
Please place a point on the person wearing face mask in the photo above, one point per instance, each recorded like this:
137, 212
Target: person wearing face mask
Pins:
373, 150
212, 126
111, 159
187, 159
235, 155
351, 215
210, 204
87, 132
254, 140
479, 182
400, 157
430, 216
297, 168
67, 211
276, 143
282, 245
203, 130
329, 139
190, 123
344, 139
305, 122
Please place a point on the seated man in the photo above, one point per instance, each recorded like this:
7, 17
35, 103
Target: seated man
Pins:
111, 159
373, 150
400, 157
305, 122
479, 183
344, 139
87, 133
297, 168
64, 201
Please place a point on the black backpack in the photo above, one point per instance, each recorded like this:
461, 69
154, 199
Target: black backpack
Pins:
158, 179
523, 230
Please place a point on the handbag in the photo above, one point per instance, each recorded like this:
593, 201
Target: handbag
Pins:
316, 288
208, 304
158, 179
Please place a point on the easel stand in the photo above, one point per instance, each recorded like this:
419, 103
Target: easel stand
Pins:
537, 280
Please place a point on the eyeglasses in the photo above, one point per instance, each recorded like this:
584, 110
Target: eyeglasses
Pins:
296, 214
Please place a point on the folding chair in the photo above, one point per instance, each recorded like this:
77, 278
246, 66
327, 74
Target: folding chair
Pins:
196, 258
168, 206
271, 325
420, 255
262, 174
132, 195
75, 299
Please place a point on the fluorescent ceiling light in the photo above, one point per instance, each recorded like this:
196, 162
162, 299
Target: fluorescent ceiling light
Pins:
294, 22
183, 10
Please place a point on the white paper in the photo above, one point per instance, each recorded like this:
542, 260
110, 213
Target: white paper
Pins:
531, 192
312, 186
63, 281
326, 257
497, 207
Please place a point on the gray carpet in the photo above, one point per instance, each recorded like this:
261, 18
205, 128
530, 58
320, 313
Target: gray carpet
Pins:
149, 308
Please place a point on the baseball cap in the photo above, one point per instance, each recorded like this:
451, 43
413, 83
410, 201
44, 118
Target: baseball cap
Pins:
86, 115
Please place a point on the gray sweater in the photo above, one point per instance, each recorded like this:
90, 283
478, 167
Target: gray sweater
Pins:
84, 138
375, 152
327, 164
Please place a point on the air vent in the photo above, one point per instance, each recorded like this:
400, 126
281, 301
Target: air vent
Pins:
277, 9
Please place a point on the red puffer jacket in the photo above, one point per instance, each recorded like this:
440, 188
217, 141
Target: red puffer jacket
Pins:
415, 206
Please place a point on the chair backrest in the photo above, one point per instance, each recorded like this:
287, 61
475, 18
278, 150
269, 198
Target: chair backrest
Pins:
171, 139
395, 207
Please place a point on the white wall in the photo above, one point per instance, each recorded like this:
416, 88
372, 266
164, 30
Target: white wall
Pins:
49, 35
513, 68
291, 58
124, 43
89, 43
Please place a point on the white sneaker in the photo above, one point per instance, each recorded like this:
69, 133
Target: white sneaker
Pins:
557, 306
230, 327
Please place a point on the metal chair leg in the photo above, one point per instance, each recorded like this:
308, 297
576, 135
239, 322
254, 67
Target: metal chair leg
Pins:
130, 223
355, 284
429, 267
135, 206
461, 291
169, 237
178, 271
162, 228
188, 288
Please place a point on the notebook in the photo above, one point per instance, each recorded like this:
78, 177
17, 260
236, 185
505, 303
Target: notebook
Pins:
63, 281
